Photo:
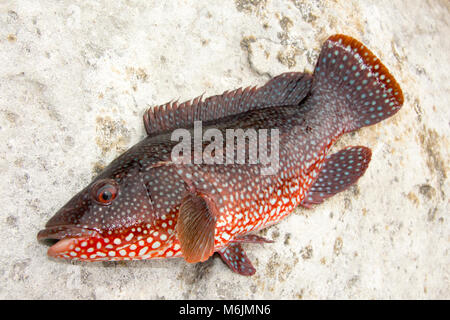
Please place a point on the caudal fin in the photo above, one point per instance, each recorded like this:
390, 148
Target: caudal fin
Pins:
349, 72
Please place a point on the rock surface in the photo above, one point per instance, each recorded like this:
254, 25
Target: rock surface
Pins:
76, 77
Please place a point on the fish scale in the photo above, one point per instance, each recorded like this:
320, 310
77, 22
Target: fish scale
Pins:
144, 205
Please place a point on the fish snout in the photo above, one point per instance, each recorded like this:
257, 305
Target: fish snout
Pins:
65, 223
62, 238
61, 232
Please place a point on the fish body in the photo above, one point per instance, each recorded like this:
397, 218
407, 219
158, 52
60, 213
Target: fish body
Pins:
147, 205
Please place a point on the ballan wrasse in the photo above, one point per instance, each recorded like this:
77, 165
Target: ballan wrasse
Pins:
144, 205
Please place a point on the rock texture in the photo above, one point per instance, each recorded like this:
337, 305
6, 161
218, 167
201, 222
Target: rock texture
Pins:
76, 77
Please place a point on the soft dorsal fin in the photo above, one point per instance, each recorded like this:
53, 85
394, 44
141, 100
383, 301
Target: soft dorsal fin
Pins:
341, 170
286, 89
196, 227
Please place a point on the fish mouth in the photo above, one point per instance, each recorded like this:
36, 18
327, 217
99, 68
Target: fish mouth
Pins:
62, 238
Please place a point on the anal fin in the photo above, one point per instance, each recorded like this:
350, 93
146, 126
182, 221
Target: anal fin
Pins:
340, 171
234, 256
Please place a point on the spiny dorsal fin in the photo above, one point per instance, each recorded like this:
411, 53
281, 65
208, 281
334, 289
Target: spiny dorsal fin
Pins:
196, 228
285, 89
341, 170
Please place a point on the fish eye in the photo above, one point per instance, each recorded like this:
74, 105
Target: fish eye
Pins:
104, 191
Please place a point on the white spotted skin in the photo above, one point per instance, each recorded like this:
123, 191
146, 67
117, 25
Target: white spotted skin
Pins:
254, 201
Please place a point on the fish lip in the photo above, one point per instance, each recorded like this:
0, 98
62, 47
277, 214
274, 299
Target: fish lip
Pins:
61, 232
61, 238
60, 247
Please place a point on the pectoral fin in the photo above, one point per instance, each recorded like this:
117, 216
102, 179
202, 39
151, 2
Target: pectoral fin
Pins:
196, 227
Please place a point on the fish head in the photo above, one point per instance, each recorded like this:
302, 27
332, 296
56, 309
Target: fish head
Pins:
113, 218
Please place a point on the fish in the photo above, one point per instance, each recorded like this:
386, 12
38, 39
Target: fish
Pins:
147, 205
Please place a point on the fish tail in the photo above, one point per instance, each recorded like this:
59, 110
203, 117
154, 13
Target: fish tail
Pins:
354, 82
